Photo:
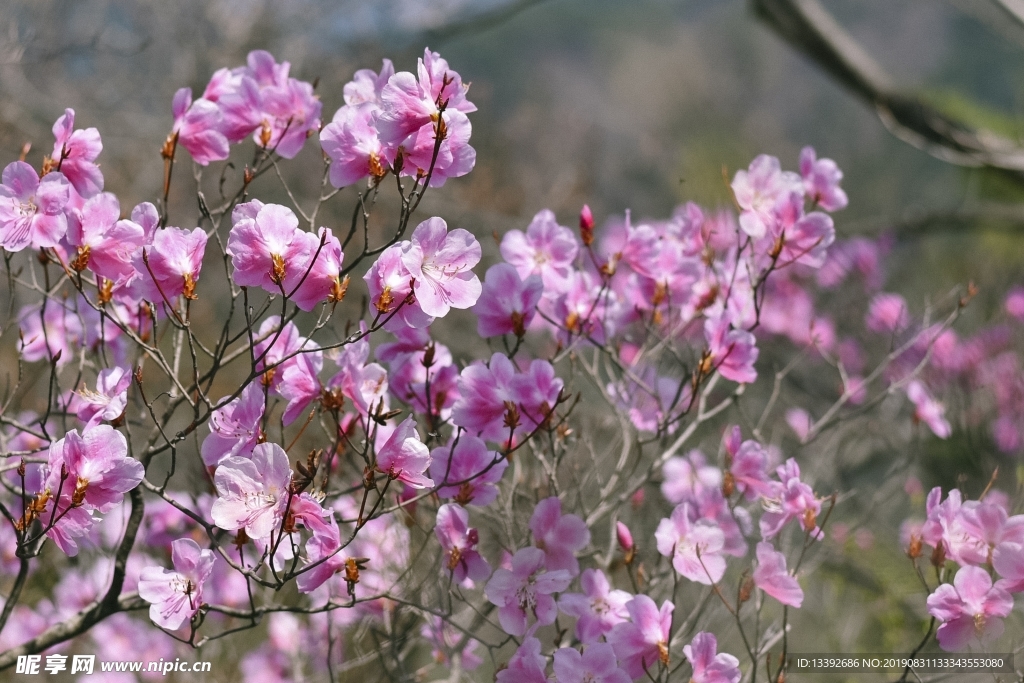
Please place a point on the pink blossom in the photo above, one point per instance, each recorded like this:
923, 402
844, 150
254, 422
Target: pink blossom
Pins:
484, 391
641, 643
748, 469
1008, 561
799, 420
199, 126
709, 666
74, 153
758, 189
969, 609
367, 85
794, 500
525, 589
234, 427
797, 237
323, 559
266, 250
290, 111
821, 181
771, 576
546, 249
536, 393
472, 470
282, 347
99, 469
318, 276
928, 410
597, 609
404, 457
47, 333
350, 141
300, 383
31, 210
390, 284
507, 305
105, 243
732, 352
110, 399
685, 478
624, 536
420, 366
440, 263
695, 546
176, 596
252, 493
526, 665
458, 541
170, 266
559, 536
596, 665
887, 313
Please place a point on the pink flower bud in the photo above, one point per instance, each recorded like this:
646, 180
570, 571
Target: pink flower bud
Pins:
624, 536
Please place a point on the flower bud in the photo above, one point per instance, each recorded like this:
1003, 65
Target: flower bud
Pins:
586, 226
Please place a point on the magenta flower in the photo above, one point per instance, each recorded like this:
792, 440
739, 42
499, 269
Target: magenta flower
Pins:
279, 348
695, 546
525, 589
821, 181
318, 276
291, 112
624, 536
445, 640
458, 541
887, 313
110, 399
1014, 303
597, 609
749, 470
350, 141
252, 493
771, 576
928, 410
46, 333
507, 305
440, 263
31, 210
732, 352
105, 243
686, 478
404, 457
546, 249
536, 393
170, 266
99, 468
526, 665
367, 85
596, 665
799, 237
234, 427
75, 152
1008, 560
484, 391
970, 610
472, 470
758, 189
709, 666
199, 126
323, 558
643, 641
176, 596
266, 250
559, 536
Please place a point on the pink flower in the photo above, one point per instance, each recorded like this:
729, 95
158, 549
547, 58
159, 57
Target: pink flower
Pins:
31, 210
291, 112
525, 589
484, 391
643, 642
252, 493
105, 244
1008, 560
709, 667
412, 102
318, 276
234, 427
748, 468
176, 596
546, 249
367, 85
458, 541
350, 141
279, 348
526, 666
771, 576
597, 609
821, 181
471, 469
99, 469
110, 399
266, 251
47, 333
199, 126
507, 305
323, 559
799, 237
624, 536
793, 500
732, 352
758, 189
75, 152
684, 479
887, 313
596, 665
404, 457
536, 394
969, 610
559, 536
440, 263
928, 410
170, 266
695, 546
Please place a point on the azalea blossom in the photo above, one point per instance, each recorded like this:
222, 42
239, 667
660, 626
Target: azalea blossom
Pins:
109, 400
31, 210
526, 665
642, 643
105, 243
597, 609
710, 666
170, 266
176, 596
928, 410
74, 154
757, 190
252, 493
459, 541
821, 180
198, 126
404, 457
467, 471
771, 576
596, 665
507, 304
970, 609
559, 536
695, 546
546, 249
525, 590
732, 352
440, 264
234, 427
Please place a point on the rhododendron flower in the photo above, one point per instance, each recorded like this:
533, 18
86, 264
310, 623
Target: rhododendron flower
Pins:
641, 643
440, 263
771, 576
821, 181
795, 500
928, 410
449, 644
970, 609
350, 141
472, 470
32, 210
412, 102
796, 237
748, 470
176, 596
695, 546
526, 665
887, 313
710, 666
525, 589
559, 536
546, 249
234, 427
266, 251
484, 391
458, 541
110, 399
319, 274
99, 469
1008, 560
404, 457
390, 284
323, 559
199, 127
105, 243
597, 609
282, 347
758, 189
596, 665
252, 493
170, 266
1015, 303
536, 393
685, 478
507, 305
74, 154
732, 352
